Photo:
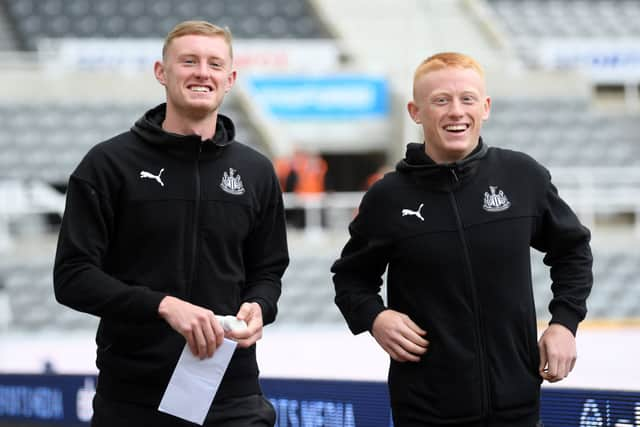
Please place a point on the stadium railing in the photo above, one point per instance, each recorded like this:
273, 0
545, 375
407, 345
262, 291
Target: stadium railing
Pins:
589, 191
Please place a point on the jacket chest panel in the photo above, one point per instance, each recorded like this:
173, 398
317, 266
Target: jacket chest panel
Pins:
494, 196
485, 221
166, 200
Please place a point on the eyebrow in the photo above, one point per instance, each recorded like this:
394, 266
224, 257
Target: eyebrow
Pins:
464, 93
186, 55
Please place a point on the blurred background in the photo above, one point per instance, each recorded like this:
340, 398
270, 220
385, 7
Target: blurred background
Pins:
322, 90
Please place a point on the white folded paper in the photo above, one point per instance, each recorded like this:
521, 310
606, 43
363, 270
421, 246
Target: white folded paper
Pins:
231, 323
194, 383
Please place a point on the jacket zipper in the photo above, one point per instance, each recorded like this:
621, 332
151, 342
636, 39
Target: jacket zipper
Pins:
196, 224
479, 327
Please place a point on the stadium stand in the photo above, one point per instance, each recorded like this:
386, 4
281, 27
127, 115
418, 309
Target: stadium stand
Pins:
33, 307
615, 293
394, 36
46, 141
531, 21
282, 19
569, 18
307, 293
307, 297
564, 132
5, 308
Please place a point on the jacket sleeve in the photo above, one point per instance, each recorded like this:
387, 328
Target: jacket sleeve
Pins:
358, 272
565, 243
266, 254
80, 281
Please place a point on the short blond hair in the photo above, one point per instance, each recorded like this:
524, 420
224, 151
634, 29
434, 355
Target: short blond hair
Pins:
201, 28
443, 60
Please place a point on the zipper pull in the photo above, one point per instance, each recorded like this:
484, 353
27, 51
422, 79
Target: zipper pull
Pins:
455, 175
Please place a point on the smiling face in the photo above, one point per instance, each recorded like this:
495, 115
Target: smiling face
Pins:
451, 104
196, 72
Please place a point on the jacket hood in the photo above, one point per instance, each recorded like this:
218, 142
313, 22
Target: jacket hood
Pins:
443, 176
149, 128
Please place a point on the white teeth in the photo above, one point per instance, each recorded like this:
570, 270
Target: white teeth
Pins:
199, 88
456, 127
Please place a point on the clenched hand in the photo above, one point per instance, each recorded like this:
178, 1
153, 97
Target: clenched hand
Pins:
557, 353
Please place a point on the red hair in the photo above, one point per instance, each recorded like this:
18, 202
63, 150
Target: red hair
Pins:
443, 60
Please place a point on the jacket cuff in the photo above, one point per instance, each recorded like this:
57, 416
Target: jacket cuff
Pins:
366, 314
268, 316
566, 317
152, 304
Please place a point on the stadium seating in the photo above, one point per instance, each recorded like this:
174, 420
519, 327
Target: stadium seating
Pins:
46, 141
563, 132
616, 288
307, 293
282, 19
5, 308
569, 18
33, 308
307, 296
529, 22
559, 132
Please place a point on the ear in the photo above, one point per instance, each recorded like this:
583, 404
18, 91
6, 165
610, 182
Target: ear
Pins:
231, 79
158, 71
487, 108
413, 110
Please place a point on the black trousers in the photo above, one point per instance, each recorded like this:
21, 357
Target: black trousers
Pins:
246, 411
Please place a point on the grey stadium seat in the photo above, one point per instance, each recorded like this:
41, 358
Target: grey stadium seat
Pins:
36, 19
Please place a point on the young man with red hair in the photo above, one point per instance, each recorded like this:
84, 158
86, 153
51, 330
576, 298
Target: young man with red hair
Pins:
453, 226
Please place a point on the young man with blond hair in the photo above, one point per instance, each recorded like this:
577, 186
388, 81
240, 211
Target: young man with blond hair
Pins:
166, 226
453, 226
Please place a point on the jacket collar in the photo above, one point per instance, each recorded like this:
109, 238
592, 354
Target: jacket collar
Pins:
443, 177
149, 129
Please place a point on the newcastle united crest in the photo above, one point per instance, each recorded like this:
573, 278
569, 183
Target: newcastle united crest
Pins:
232, 183
495, 201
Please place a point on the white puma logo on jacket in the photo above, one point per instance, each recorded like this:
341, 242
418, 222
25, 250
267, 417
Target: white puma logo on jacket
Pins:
417, 213
145, 174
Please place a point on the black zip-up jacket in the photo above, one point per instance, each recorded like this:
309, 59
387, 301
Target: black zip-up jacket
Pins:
456, 240
150, 214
